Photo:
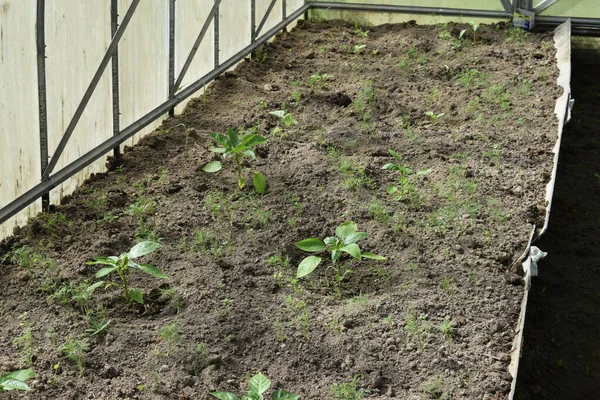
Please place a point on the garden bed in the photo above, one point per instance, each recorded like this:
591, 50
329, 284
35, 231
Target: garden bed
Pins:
470, 116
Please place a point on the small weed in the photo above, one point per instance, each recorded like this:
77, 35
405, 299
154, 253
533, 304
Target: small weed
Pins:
472, 78
227, 306
175, 299
287, 118
171, 336
433, 389
74, 350
358, 31
447, 327
447, 284
516, 35
379, 211
25, 342
318, 80
434, 116
356, 49
349, 390
296, 97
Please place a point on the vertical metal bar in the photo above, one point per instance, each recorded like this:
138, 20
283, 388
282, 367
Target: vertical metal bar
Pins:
40, 37
216, 41
506, 5
88, 93
283, 9
252, 20
195, 47
114, 25
172, 87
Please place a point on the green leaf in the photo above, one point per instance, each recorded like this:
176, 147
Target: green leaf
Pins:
389, 166
391, 189
104, 271
335, 256
424, 171
136, 295
260, 183
352, 249
283, 395
234, 140
355, 237
307, 266
13, 384
151, 270
397, 156
213, 166
20, 375
143, 248
345, 229
259, 384
249, 153
278, 113
224, 395
312, 245
112, 260
373, 256
331, 241
220, 139
251, 140
219, 150
90, 289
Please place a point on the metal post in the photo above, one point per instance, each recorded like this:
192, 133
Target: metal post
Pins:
114, 25
41, 73
90, 90
252, 19
506, 5
216, 41
283, 9
172, 87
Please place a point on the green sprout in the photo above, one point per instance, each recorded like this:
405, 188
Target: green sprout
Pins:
287, 118
239, 147
123, 266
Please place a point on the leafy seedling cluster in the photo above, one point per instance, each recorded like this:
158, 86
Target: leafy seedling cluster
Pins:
257, 386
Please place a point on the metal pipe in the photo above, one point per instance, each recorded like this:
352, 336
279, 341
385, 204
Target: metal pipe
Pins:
264, 18
411, 10
90, 90
506, 5
171, 50
252, 19
576, 22
40, 38
59, 177
216, 38
114, 25
543, 6
199, 39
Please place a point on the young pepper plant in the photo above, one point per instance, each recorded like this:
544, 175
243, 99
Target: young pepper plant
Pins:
238, 147
257, 386
123, 266
344, 242
15, 380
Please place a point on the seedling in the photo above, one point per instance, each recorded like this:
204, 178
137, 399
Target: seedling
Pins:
123, 266
447, 327
171, 335
405, 190
239, 148
74, 350
434, 117
287, 118
357, 48
318, 79
15, 380
360, 32
474, 26
257, 386
344, 242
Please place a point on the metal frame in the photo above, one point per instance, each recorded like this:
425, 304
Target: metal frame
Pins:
51, 180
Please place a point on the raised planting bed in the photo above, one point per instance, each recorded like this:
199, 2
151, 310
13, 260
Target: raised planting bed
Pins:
469, 118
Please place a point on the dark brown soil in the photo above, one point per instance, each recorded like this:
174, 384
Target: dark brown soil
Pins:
561, 357
452, 242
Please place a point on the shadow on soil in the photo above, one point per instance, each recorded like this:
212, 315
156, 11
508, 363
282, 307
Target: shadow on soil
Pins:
561, 358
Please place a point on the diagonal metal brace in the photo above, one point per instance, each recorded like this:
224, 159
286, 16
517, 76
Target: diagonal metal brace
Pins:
543, 5
199, 39
264, 19
90, 90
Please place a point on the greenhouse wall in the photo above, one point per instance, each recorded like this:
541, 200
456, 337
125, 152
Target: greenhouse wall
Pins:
77, 35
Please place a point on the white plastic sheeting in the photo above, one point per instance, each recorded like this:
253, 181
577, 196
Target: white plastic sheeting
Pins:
77, 36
